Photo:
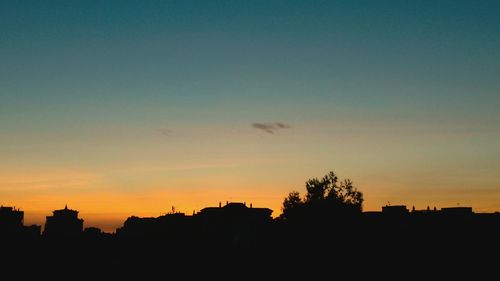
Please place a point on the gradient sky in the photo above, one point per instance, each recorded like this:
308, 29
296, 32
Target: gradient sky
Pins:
130, 107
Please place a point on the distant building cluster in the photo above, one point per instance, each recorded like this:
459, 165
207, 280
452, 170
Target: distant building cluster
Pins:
432, 218
402, 211
65, 223
233, 219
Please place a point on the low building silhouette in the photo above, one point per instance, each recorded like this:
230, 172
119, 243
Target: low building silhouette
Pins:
236, 212
401, 212
92, 231
232, 222
176, 226
457, 211
235, 223
32, 231
395, 211
63, 223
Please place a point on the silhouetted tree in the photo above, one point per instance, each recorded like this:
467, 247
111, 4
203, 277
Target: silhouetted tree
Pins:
346, 194
325, 196
316, 190
292, 204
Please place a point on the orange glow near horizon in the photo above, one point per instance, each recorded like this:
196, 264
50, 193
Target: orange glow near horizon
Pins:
200, 167
45, 191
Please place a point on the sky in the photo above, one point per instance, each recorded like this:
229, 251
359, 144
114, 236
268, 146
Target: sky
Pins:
121, 108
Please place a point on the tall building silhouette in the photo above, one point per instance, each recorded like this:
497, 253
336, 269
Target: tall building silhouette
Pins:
12, 224
11, 220
64, 222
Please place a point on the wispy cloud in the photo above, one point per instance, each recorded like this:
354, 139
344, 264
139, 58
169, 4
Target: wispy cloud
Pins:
270, 127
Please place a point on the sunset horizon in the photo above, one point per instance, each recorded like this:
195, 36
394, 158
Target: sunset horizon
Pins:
108, 219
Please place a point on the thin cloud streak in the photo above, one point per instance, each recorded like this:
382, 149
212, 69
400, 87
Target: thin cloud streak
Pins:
270, 128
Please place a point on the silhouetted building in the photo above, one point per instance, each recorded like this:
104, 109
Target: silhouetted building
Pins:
11, 221
136, 226
399, 210
169, 226
64, 222
457, 211
32, 231
236, 212
235, 223
428, 210
11, 224
92, 231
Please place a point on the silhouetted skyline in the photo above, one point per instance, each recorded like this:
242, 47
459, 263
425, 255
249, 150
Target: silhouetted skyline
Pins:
68, 219
326, 227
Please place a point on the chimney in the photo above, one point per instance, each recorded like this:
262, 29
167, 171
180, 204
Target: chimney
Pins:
220, 204
227, 202
250, 205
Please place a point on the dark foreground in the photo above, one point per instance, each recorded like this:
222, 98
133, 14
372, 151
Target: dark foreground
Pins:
353, 249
